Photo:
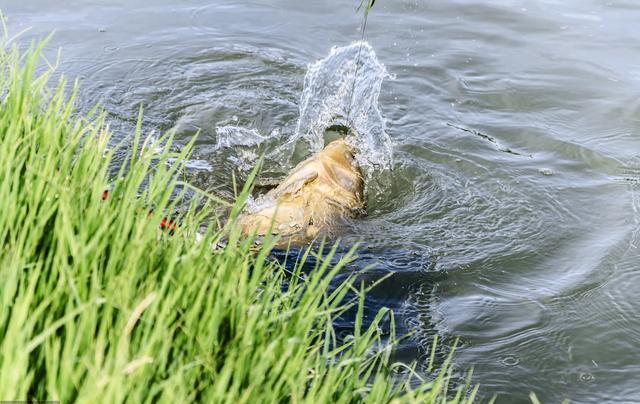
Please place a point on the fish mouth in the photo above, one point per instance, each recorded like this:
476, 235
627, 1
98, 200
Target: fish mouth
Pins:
340, 129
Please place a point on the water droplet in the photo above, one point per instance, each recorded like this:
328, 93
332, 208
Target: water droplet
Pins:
586, 377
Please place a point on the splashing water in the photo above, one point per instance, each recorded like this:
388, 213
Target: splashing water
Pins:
231, 135
343, 89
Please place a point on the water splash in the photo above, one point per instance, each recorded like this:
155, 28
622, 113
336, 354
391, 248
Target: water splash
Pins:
339, 92
232, 135
340, 89
241, 145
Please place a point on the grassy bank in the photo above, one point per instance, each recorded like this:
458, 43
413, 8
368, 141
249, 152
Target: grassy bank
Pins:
99, 304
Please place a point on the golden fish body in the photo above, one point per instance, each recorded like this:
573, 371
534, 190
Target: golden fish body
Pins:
312, 200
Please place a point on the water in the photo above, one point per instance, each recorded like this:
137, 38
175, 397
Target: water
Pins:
511, 215
343, 88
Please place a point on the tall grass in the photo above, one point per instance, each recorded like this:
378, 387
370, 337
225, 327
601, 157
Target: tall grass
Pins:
98, 304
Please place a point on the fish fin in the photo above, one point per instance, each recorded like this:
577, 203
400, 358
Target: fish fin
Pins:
297, 180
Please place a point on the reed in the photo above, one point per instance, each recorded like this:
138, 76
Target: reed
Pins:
100, 304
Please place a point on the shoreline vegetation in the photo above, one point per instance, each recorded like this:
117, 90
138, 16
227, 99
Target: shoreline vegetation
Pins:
99, 304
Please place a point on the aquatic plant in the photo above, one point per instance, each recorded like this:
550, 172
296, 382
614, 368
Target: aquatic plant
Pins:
368, 5
99, 304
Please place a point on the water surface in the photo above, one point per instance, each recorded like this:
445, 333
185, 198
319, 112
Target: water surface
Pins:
511, 215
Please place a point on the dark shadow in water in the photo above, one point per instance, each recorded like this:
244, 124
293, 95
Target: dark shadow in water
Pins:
405, 272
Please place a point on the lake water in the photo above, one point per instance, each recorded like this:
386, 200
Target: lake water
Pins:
510, 214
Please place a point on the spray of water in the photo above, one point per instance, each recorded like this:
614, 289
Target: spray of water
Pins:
343, 89
340, 89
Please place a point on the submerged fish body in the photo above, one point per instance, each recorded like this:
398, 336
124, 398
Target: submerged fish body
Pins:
312, 200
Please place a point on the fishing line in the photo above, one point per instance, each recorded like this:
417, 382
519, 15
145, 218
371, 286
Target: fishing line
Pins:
370, 4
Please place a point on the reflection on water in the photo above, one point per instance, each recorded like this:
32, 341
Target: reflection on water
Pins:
511, 217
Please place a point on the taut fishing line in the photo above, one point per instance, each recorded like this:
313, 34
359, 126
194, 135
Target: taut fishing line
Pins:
370, 4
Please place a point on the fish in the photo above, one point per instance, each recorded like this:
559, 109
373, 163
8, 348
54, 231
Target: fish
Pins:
313, 200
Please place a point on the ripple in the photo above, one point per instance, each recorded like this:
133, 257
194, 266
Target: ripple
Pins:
211, 17
586, 377
510, 360
111, 48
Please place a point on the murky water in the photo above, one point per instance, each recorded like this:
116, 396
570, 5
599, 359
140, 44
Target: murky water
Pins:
511, 215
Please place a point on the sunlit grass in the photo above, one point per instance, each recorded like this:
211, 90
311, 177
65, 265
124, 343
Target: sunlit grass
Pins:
100, 305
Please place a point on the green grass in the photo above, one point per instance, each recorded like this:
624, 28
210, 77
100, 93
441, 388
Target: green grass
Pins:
100, 305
